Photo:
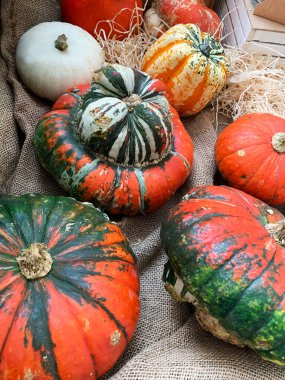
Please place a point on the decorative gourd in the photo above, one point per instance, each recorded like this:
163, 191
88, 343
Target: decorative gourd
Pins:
69, 289
226, 255
94, 15
174, 12
53, 56
191, 64
117, 143
250, 154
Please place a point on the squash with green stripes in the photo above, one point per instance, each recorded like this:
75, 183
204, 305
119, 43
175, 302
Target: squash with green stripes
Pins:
117, 142
69, 289
192, 64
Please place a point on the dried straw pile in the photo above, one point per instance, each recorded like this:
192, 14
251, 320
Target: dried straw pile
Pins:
256, 84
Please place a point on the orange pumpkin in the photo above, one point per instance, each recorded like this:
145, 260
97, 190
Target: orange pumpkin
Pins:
93, 15
173, 12
250, 154
191, 64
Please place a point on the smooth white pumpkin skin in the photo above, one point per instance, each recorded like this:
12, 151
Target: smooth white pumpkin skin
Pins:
49, 72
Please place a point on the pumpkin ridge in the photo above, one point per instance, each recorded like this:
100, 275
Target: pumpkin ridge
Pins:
88, 300
16, 314
52, 203
239, 148
106, 203
18, 230
66, 301
160, 51
50, 364
195, 97
253, 174
234, 252
277, 345
258, 278
266, 162
6, 258
279, 158
173, 153
232, 189
142, 187
250, 338
112, 258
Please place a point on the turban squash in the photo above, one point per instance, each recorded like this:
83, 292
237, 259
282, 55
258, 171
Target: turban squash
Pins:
116, 143
250, 154
191, 64
226, 255
69, 289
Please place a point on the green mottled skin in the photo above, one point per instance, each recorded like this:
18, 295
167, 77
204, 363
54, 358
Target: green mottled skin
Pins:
128, 184
93, 267
217, 244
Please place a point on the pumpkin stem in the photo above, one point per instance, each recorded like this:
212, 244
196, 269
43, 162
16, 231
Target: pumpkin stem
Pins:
132, 101
277, 231
278, 142
205, 48
61, 42
34, 262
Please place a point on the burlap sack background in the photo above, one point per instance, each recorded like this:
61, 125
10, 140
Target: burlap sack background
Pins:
169, 344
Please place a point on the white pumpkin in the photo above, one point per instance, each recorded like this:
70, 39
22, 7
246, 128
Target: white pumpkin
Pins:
49, 65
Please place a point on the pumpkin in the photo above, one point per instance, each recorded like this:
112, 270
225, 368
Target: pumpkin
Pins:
250, 154
191, 64
54, 56
69, 289
173, 12
94, 15
116, 143
226, 255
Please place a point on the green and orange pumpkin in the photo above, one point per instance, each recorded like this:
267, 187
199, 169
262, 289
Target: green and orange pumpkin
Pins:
173, 12
68, 291
226, 255
116, 143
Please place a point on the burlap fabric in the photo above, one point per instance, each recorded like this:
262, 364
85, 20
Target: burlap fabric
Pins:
168, 344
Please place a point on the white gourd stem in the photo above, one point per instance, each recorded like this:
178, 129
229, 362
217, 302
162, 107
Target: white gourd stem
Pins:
278, 142
132, 101
61, 42
277, 231
35, 261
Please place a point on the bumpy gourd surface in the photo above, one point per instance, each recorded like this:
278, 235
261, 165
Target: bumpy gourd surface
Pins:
217, 244
74, 322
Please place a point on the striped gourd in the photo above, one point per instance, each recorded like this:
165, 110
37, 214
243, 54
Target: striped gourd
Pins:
191, 64
117, 142
124, 117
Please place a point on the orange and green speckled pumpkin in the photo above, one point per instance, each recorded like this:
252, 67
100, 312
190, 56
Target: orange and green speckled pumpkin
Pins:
250, 154
69, 290
174, 12
226, 255
191, 64
116, 143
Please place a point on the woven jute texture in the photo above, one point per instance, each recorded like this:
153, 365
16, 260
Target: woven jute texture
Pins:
168, 344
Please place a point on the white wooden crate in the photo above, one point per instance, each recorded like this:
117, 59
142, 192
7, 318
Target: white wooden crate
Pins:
244, 29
